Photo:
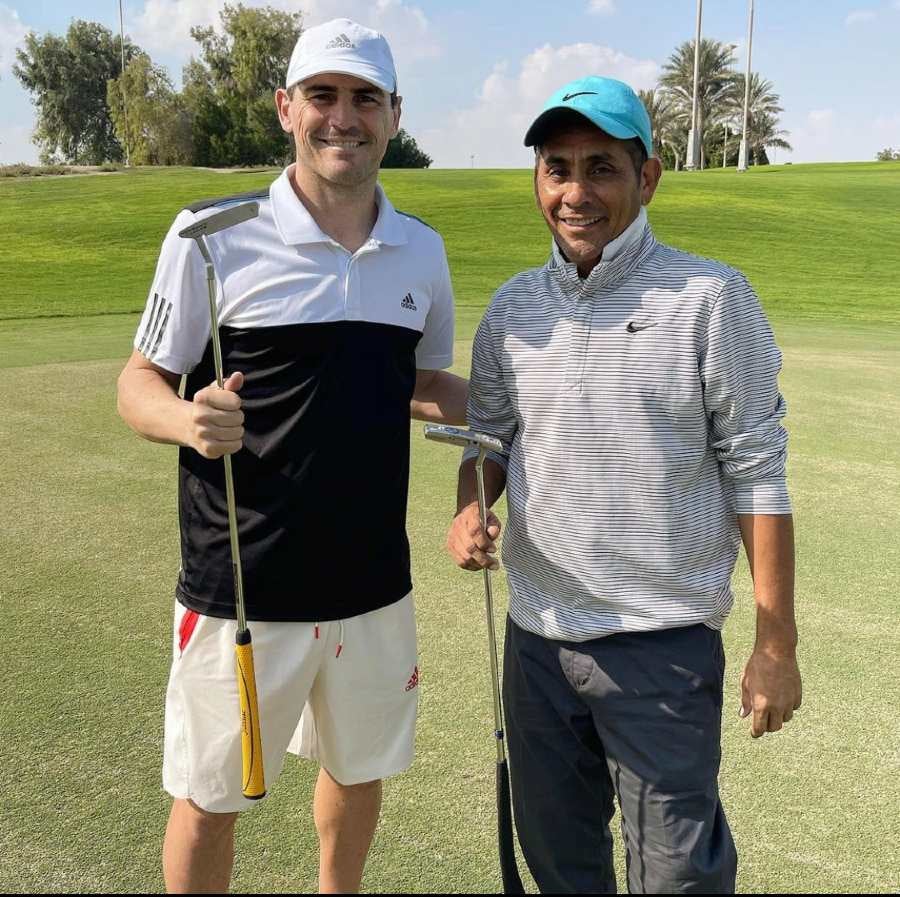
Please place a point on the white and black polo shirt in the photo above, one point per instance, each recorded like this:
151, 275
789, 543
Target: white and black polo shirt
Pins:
329, 342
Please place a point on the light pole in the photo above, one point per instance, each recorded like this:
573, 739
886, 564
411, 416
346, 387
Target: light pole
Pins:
742, 155
693, 148
124, 96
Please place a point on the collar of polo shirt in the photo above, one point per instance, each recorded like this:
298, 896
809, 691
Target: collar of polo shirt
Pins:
296, 225
615, 247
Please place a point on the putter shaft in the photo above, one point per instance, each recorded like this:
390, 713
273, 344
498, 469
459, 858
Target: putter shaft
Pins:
489, 612
229, 478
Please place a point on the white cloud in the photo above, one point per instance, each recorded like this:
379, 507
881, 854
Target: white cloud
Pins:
493, 127
820, 119
12, 33
814, 139
163, 26
602, 7
859, 15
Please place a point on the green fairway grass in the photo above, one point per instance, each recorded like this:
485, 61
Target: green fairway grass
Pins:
89, 544
816, 240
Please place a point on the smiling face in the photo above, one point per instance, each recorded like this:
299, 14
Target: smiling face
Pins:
588, 190
341, 126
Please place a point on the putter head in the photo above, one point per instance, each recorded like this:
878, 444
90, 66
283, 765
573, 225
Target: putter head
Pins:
221, 220
465, 438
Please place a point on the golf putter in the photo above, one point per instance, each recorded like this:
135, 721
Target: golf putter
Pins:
512, 882
254, 782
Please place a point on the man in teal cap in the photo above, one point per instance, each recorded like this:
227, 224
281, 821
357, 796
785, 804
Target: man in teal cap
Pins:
634, 387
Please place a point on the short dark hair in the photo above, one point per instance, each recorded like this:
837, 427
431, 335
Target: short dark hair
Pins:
638, 153
293, 88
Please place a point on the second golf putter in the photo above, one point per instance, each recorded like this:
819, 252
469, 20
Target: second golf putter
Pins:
512, 883
254, 783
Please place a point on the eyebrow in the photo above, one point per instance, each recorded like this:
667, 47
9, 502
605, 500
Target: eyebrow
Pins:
596, 157
331, 88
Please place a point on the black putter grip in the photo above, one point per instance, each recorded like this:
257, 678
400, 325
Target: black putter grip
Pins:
509, 872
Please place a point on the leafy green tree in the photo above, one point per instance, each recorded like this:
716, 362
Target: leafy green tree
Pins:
148, 116
713, 89
403, 152
888, 155
67, 77
229, 91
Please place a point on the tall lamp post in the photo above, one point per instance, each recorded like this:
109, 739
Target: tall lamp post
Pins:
693, 148
742, 155
124, 95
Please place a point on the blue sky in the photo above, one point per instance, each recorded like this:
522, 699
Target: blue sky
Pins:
473, 73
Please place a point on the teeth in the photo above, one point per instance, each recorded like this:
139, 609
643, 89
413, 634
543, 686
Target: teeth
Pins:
343, 144
583, 222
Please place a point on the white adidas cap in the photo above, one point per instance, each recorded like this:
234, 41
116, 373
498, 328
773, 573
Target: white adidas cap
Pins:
347, 48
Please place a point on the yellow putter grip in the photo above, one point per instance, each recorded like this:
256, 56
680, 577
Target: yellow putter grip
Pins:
254, 779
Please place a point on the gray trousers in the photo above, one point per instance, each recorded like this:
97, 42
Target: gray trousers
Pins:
634, 717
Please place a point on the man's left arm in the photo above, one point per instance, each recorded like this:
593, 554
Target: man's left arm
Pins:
770, 687
739, 371
440, 398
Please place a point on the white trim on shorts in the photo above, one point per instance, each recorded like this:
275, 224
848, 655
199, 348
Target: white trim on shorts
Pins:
353, 710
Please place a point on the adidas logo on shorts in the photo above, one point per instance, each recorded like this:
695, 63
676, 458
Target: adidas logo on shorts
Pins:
408, 303
340, 41
413, 680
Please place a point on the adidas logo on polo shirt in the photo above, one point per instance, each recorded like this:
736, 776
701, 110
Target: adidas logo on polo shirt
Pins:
340, 41
408, 303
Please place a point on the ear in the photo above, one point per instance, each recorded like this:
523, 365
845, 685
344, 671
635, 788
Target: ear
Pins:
651, 172
283, 105
396, 113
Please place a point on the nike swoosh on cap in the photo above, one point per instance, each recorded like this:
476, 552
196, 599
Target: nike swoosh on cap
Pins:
583, 93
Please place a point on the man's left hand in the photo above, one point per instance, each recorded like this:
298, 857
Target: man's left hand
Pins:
770, 689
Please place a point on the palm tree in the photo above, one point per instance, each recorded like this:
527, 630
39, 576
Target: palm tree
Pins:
763, 132
762, 115
713, 87
663, 123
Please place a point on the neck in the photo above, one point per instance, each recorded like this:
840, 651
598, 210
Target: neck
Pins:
346, 213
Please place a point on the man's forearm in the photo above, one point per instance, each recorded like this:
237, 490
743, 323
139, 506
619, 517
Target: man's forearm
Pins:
149, 404
467, 489
769, 543
442, 400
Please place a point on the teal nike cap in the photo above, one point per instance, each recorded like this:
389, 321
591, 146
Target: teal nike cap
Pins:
609, 104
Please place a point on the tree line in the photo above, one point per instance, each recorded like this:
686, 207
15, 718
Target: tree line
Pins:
720, 92
90, 110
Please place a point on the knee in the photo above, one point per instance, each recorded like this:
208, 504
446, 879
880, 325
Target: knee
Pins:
199, 826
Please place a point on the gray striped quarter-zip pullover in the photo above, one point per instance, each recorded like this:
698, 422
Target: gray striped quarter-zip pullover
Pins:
641, 412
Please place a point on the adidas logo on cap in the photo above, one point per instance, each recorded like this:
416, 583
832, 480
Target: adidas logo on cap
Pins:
343, 47
340, 41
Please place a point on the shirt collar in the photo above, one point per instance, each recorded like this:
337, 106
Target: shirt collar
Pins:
615, 247
296, 225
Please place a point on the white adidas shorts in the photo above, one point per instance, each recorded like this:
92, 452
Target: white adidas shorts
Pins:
343, 693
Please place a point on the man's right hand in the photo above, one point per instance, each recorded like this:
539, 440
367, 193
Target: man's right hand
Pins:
217, 422
468, 544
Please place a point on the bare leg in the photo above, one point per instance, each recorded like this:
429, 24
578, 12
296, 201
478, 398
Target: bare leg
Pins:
198, 851
346, 816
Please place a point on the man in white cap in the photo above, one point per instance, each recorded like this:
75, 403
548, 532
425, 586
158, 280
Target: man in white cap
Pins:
634, 387
336, 317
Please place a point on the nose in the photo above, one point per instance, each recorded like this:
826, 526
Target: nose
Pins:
342, 114
576, 194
